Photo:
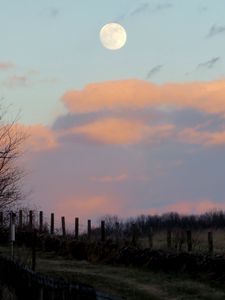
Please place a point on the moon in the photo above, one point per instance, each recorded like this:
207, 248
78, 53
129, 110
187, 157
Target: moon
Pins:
113, 36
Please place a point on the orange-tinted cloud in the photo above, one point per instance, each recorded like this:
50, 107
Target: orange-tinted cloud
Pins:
183, 207
137, 94
109, 179
6, 65
88, 207
97, 206
205, 138
198, 207
40, 138
117, 131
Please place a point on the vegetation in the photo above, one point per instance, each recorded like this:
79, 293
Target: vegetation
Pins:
11, 141
213, 219
135, 271
129, 282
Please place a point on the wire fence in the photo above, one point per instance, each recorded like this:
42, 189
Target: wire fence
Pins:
27, 284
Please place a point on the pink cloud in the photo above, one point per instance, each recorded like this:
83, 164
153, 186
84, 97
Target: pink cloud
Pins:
16, 81
138, 94
189, 207
109, 179
40, 138
6, 66
206, 138
117, 131
87, 207
196, 207
183, 207
94, 207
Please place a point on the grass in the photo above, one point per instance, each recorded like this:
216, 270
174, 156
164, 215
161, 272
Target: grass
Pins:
199, 237
132, 283
129, 282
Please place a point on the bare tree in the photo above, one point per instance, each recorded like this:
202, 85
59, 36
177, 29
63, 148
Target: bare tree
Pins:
11, 141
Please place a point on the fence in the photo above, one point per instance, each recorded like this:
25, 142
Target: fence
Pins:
27, 285
29, 222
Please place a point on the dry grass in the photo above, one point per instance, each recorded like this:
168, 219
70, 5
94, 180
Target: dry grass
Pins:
199, 237
132, 283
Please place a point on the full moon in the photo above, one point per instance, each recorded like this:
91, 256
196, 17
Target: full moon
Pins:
113, 36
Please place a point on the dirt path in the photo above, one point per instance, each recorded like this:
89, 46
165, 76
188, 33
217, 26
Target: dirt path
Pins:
127, 282
123, 277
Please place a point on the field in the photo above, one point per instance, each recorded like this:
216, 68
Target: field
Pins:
130, 282
199, 240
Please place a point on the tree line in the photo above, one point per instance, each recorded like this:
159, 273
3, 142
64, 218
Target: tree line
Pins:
214, 219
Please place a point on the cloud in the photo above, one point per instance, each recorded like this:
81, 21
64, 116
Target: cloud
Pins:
202, 8
87, 206
54, 12
118, 131
215, 30
163, 6
207, 97
205, 138
154, 71
50, 12
5, 66
139, 9
16, 81
40, 138
145, 7
196, 207
199, 206
110, 179
209, 64
27, 80
99, 206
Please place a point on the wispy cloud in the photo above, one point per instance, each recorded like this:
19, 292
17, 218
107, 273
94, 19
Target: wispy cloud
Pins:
110, 179
205, 138
202, 8
139, 9
16, 81
215, 30
54, 12
209, 64
153, 71
163, 6
5, 66
145, 7
50, 12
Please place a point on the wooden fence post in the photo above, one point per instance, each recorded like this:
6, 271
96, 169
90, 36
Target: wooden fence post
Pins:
52, 229
20, 219
89, 230
210, 242
150, 238
189, 241
169, 239
40, 221
30, 219
1, 218
63, 227
34, 241
76, 228
102, 231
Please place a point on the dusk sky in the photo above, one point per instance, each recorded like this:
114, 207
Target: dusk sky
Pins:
138, 130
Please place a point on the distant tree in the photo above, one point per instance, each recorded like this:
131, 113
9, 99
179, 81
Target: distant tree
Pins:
11, 141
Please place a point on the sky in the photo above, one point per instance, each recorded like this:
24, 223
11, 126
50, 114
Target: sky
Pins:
139, 130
